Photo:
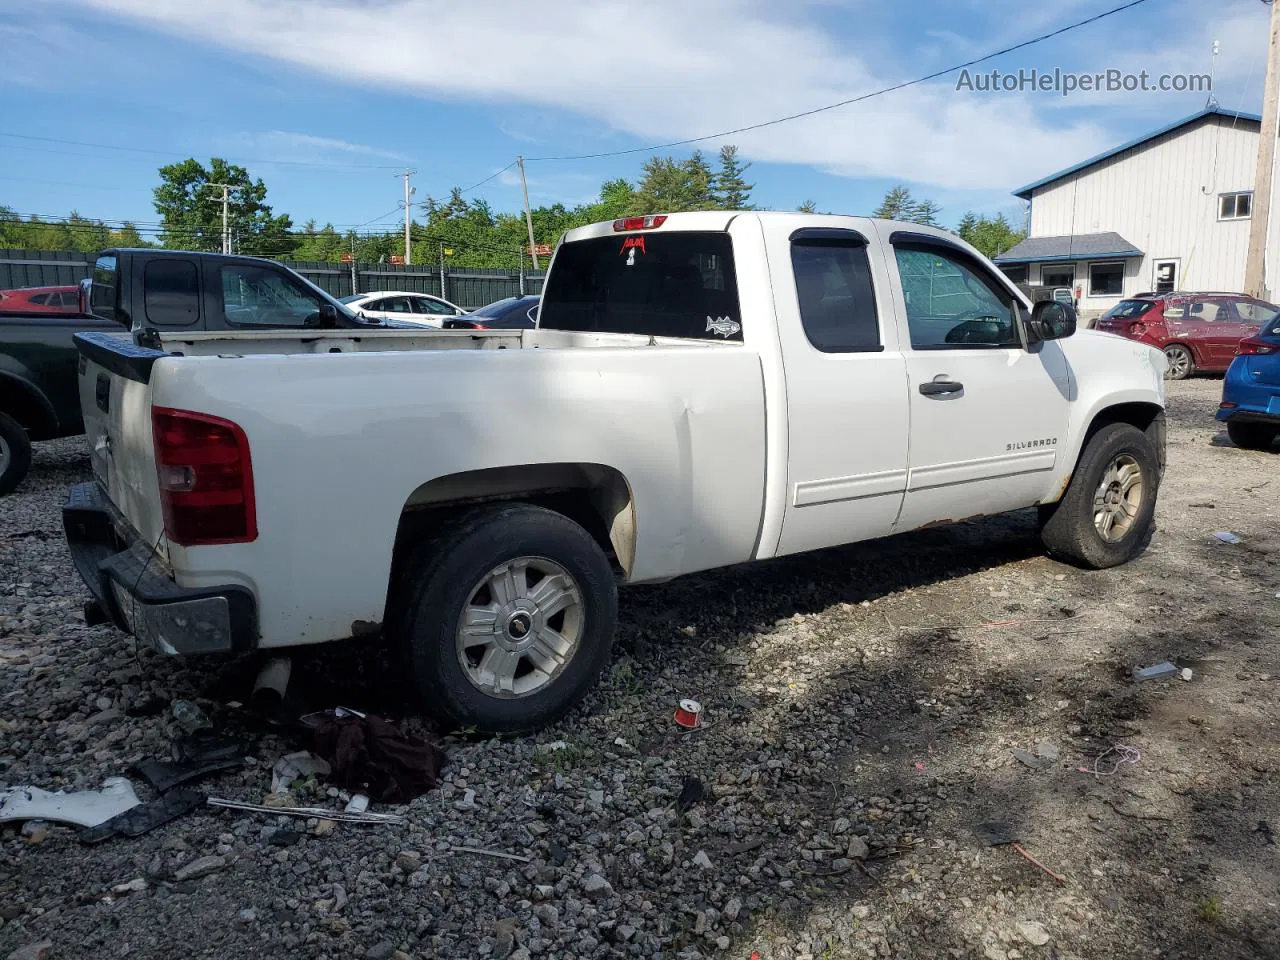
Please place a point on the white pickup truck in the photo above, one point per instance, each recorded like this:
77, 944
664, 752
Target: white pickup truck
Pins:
702, 389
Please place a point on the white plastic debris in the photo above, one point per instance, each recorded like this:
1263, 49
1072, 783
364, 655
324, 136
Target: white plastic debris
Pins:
1226, 536
1185, 674
294, 765
85, 808
357, 804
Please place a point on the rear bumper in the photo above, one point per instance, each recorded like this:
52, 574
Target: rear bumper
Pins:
1252, 401
137, 594
1248, 416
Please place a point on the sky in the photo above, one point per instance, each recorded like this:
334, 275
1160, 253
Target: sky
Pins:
328, 100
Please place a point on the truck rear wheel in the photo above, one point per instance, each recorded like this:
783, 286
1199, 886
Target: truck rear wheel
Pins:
1107, 515
15, 454
506, 618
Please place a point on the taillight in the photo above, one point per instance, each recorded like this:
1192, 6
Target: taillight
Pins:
1254, 346
649, 222
1137, 328
206, 478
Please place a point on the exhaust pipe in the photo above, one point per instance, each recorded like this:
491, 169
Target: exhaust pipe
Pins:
268, 689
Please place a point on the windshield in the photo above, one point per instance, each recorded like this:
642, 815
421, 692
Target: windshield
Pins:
679, 284
1272, 329
1127, 309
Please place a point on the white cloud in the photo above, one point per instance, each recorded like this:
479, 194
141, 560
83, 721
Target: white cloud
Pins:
661, 70
306, 143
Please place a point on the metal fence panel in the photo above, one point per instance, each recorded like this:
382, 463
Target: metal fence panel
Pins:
469, 287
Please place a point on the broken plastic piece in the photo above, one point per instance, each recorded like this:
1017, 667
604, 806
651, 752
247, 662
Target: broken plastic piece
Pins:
294, 765
189, 716
165, 776
205, 746
85, 808
145, 817
1226, 536
357, 804
1186, 674
1157, 671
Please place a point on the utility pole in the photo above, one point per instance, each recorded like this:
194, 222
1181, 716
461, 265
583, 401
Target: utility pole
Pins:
226, 201
522, 270
408, 210
1260, 221
443, 294
528, 216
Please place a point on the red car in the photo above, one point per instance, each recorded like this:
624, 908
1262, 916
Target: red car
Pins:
1198, 332
40, 300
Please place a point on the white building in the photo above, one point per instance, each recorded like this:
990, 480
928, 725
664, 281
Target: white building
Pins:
1168, 211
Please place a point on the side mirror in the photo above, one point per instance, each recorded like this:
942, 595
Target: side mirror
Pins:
1051, 320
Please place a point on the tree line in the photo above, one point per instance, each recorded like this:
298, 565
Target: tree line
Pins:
469, 233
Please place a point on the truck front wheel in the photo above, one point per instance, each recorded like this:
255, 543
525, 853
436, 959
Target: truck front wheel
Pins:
1107, 515
15, 454
506, 617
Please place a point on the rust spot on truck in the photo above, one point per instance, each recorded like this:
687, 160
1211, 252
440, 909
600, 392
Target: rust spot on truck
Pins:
365, 628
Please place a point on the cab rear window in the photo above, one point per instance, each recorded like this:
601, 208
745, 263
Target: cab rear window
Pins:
663, 285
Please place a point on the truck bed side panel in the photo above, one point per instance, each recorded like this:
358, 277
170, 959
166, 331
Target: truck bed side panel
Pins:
340, 442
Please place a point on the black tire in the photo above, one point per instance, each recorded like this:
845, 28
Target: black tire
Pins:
15, 454
1069, 532
436, 583
1182, 363
1252, 436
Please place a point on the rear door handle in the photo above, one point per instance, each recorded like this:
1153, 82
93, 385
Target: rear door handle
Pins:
939, 388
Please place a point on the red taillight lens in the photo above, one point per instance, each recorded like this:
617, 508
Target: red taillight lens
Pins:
1254, 346
1137, 328
640, 223
206, 478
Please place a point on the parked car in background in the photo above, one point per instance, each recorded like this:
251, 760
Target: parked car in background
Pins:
1198, 332
509, 313
169, 291
406, 307
64, 299
1251, 390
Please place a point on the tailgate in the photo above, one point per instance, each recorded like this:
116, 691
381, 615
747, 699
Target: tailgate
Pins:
115, 398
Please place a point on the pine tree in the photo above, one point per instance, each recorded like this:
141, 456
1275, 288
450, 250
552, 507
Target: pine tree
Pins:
732, 192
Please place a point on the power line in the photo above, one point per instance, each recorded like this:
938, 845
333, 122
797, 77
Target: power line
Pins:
844, 103
490, 177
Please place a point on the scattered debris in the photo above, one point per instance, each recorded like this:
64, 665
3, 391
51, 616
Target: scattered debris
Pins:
294, 765
269, 688
165, 776
1203, 506
1123, 755
33, 951
357, 804
689, 714
1186, 674
142, 818
199, 868
85, 808
370, 755
690, 794
339, 816
491, 853
189, 716
997, 834
1157, 671
124, 889
1226, 536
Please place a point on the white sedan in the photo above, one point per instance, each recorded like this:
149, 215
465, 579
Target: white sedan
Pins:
405, 306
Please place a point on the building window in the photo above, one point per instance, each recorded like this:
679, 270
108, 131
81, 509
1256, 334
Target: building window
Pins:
1016, 274
1057, 276
1106, 279
1166, 276
1235, 206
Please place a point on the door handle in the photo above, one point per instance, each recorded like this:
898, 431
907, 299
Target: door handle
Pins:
940, 388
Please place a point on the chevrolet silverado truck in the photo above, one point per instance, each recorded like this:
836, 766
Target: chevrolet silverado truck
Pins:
701, 389
161, 290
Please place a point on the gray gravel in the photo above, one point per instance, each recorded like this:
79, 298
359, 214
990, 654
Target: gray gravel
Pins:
861, 707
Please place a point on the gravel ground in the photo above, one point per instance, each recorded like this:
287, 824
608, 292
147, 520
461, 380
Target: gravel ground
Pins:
861, 708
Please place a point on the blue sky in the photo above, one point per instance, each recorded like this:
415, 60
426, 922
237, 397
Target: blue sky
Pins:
326, 99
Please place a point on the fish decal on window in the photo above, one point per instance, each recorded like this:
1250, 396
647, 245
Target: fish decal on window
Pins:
723, 326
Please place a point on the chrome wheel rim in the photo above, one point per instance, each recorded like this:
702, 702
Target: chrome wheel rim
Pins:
1118, 499
1179, 363
4, 456
521, 626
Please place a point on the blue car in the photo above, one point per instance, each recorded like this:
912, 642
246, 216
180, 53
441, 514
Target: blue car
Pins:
1251, 390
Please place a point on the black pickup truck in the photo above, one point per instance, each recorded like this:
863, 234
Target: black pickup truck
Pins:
138, 290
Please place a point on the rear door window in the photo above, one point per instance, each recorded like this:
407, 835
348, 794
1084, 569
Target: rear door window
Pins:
171, 293
663, 285
833, 286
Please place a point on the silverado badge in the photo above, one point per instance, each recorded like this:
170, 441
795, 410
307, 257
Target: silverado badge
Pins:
723, 326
